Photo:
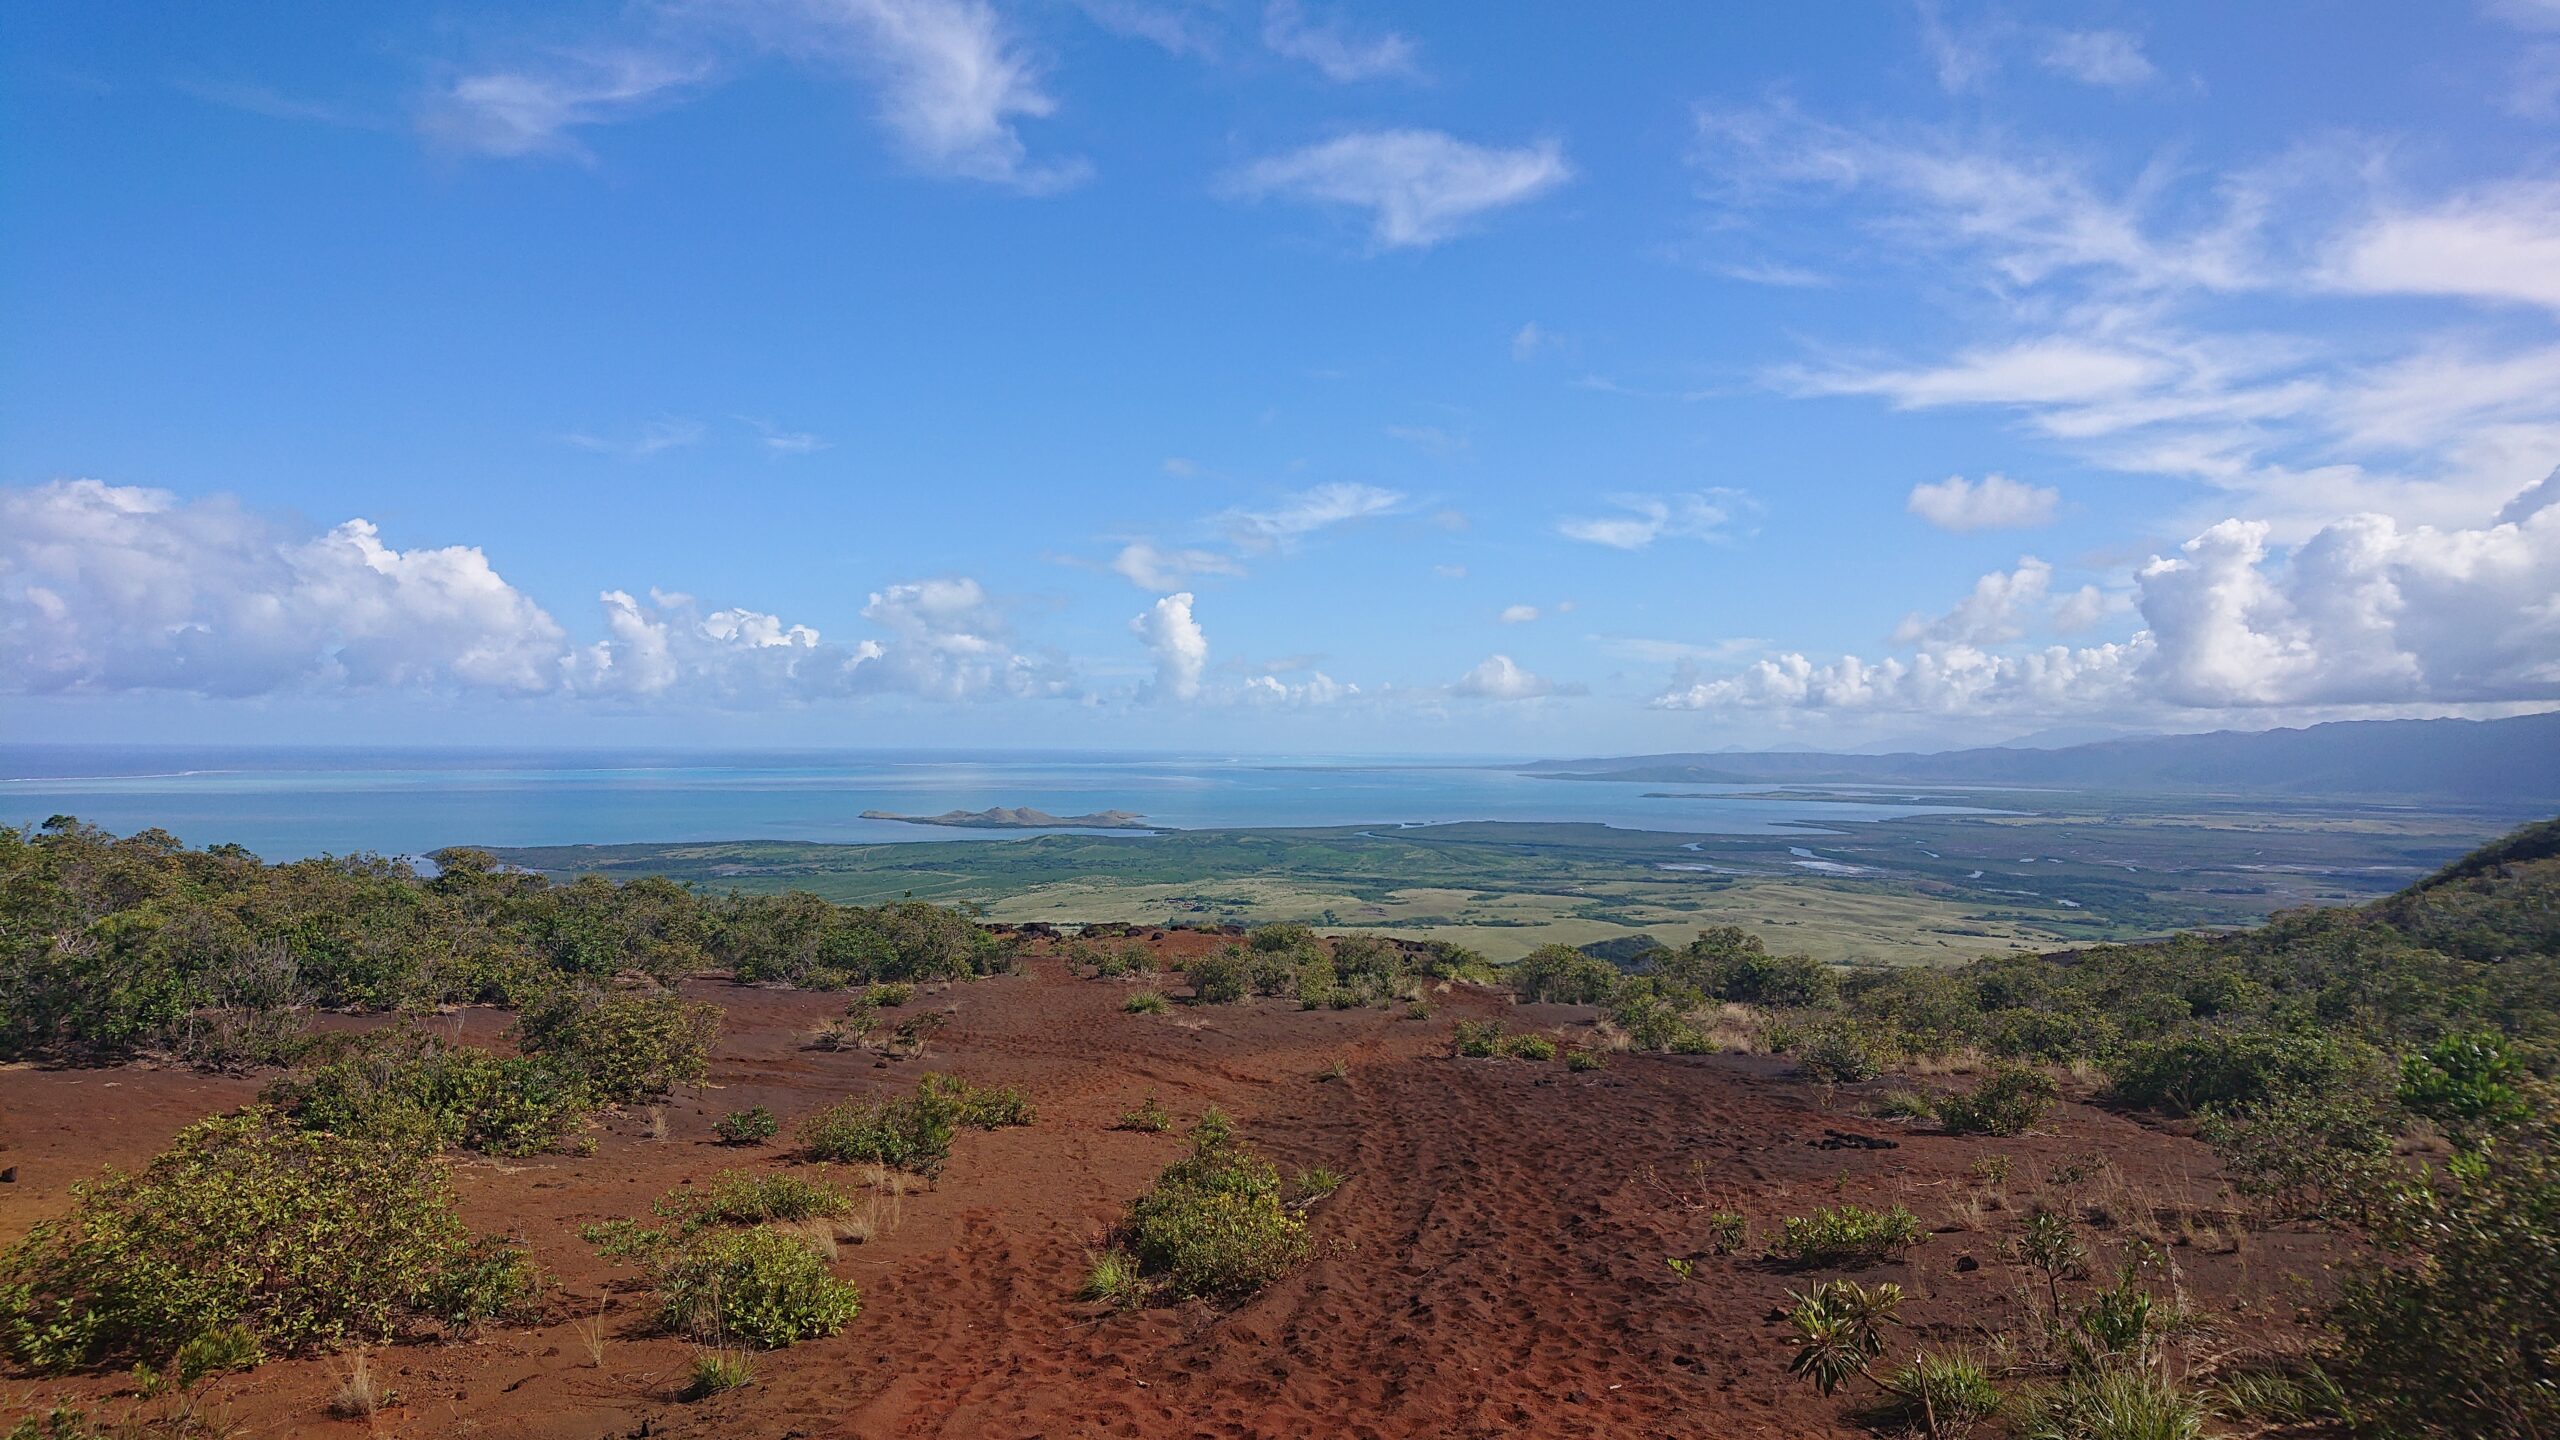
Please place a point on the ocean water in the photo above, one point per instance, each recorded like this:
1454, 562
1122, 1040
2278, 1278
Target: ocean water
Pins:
288, 804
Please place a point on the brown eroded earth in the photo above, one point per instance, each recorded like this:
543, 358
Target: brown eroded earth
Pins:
1496, 1262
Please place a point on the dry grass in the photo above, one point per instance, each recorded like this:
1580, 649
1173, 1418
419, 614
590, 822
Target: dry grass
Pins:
591, 1335
818, 1234
1967, 1061
359, 1396
658, 1123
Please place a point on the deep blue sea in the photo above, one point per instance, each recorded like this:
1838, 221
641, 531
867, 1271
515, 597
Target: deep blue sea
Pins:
287, 804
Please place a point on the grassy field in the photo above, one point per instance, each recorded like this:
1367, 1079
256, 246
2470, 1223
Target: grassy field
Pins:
2052, 870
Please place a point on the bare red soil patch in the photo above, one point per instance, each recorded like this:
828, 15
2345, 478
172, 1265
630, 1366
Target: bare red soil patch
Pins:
1496, 1262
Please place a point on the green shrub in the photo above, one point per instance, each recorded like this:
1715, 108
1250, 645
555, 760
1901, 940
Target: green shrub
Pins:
1906, 1105
1563, 975
2455, 1328
752, 1126
980, 1107
1844, 1235
1217, 979
1728, 1232
2309, 1153
2226, 1067
1150, 1117
912, 1132
890, 994
1581, 1060
404, 1086
1280, 939
1839, 1052
756, 1287
743, 1197
1214, 1224
624, 1044
1145, 1002
2008, 1102
1477, 1039
2471, 1084
1529, 1047
304, 1238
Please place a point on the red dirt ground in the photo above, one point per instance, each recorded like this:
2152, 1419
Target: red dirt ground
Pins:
1495, 1264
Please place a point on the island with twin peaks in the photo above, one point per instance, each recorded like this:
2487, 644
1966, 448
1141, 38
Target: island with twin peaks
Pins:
1016, 817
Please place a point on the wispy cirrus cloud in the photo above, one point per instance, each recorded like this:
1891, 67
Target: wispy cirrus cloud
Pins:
656, 437
1420, 187
1332, 47
1643, 519
1305, 512
538, 106
953, 83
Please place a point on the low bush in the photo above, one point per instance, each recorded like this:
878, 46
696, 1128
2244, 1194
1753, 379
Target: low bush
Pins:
980, 1107
1477, 1039
1582, 1060
1839, 1052
1145, 1002
890, 994
2471, 1084
1564, 975
757, 1287
1906, 1105
1937, 1394
1728, 1232
1843, 1235
1214, 1223
2455, 1328
1150, 1117
743, 1197
1529, 1047
404, 1086
752, 1126
625, 1045
912, 1132
1217, 979
2010, 1101
301, 1238
2228, 1067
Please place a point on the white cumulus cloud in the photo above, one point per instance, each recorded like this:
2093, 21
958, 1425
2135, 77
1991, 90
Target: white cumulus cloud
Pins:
1995, 503
1149, 567
1179, 645
111, 587
1500, 677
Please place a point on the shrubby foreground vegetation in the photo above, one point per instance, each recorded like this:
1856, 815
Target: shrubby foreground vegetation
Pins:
115, 947
320, 1216
2385, 1069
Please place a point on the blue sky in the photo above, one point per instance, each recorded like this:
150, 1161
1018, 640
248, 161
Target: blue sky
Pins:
1274, 377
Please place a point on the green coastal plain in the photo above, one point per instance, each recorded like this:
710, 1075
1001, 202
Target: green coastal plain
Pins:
2018, 871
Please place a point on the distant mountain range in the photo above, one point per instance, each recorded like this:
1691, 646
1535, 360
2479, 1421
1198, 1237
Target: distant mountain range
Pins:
2512, 763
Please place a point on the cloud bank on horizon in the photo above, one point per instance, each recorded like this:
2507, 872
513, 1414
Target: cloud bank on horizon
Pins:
1984, 372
